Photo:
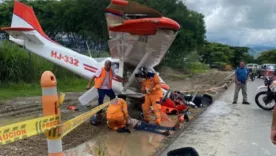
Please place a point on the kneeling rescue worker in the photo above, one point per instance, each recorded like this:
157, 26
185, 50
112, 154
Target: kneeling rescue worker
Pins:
117, 114
151, 86
119, 120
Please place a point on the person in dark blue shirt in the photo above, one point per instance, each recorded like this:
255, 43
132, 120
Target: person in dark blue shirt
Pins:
241, 76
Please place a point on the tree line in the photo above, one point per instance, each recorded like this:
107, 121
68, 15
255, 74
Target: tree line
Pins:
268, 56
217, 53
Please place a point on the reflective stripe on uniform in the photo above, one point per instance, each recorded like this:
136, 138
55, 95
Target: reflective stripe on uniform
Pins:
54, 146
49, 91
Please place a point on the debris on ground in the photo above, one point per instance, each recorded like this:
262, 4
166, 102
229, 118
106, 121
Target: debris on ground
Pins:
86, 135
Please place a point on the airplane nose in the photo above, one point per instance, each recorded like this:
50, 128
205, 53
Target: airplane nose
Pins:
168, 23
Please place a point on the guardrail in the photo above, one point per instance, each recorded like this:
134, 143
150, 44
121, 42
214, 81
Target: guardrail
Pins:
50, 123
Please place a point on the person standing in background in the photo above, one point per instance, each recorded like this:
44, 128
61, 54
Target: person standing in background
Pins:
241, 76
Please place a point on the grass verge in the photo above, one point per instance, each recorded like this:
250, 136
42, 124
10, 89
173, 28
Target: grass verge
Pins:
184, 76
9, 91
194, 71
178, 77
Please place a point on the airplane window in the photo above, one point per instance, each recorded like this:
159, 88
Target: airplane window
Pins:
115, 67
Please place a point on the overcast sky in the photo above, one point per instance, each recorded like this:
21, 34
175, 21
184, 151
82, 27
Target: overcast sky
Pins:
238, 22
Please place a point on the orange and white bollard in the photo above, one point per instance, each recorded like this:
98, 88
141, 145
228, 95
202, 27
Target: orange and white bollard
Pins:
49, 103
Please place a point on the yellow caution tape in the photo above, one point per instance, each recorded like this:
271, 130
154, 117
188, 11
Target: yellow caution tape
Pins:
48, 124
61, 99
69, 125
22, 130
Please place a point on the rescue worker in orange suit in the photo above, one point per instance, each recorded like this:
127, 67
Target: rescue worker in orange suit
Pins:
103, 82
151, 86
117, 114
118, 119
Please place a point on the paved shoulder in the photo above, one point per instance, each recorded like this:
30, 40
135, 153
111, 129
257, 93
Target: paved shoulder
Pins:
225, 129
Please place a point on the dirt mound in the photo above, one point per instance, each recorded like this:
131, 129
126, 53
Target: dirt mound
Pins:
163, 70
200, 81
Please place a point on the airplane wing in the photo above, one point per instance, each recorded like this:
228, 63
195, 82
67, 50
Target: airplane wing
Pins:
136, 30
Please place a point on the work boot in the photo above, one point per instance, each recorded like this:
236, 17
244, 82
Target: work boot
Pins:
166, 133
93, 120
234, 102
186, 118
176, 127
246, 103
142, 116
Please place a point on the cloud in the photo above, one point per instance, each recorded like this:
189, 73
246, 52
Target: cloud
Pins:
238, 22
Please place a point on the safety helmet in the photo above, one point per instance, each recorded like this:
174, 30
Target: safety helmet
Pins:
114, 101
143, 69
94, 120
143, 72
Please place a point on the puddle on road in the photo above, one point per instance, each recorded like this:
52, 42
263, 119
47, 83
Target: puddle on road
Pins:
115, 144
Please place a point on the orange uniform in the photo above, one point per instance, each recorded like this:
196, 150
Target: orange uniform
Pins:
117, 114
152, 87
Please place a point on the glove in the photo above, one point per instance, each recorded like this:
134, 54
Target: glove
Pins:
127, 130
88, 87
120, 130
123, 130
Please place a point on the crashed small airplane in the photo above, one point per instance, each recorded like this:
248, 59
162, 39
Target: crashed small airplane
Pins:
139, 36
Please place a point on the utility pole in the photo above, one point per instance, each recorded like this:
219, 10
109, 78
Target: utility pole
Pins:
88, 49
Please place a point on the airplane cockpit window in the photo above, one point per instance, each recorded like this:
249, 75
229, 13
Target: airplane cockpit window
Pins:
115, 67
136, 16
128, 70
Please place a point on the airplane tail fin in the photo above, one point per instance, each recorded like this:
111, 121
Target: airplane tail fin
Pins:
25, 25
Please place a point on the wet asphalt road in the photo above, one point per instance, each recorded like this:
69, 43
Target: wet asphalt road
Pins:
225, 129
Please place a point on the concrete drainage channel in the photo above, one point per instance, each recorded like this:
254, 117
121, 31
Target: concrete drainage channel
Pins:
169, 140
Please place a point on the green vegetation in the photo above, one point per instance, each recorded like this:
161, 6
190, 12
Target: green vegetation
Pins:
8, 91
178, 76
83, 21
221, 54
19, 77
17, 68
196, 67
267, 57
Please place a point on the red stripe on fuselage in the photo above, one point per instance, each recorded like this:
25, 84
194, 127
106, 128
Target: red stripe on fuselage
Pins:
91, 70
86, 65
